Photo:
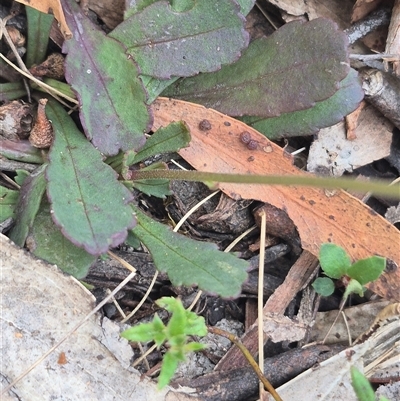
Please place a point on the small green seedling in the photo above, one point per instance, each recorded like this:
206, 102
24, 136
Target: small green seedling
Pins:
362, 387
182, 324
336, 264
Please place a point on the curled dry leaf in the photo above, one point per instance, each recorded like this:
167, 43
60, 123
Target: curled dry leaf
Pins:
340, 218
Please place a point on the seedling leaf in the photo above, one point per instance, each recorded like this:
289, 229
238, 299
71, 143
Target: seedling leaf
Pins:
166, 43
367, 270
353, 287
307, 122
193, 347
334, 260
145, 332
361, 385
168, 368
189, 262
111, 95
88, 203
324, 286
258, 84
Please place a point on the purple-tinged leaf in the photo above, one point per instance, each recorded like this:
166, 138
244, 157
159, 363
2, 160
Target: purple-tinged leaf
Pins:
308, 122
298, 65
30, 196
21, 151
88, 203
46, 242
165, 43
113, 111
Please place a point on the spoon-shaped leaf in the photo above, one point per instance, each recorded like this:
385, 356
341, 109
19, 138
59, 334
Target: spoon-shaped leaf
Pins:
88, 203
307, 122
166, 43
298, 65
112, 98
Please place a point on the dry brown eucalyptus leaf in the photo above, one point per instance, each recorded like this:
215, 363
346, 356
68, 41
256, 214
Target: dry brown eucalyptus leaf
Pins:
340, 219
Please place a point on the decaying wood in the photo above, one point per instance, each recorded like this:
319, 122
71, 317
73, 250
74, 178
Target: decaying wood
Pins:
383, 91
373, 21
242, 383
277, 303
393, 39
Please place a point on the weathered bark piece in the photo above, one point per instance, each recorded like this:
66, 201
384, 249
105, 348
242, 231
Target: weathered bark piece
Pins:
279, 225
393, 39
383, 91
242, 383
277, 303
373, 21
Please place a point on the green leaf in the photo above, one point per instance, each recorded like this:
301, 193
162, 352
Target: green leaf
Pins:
178, 320
88, 203
334, 260
169, 139
39, 25
11, 90
276, 74
46, 241
195, 325
154, 86
189, 262
31, 194
307, 122
55, 84
21, 176
367, 270
180, 6
132, 240
193, 347
165, 43
21, 151
135, 6
113, 108
145, 332
246, 6
353, 287
323, 286
168, 368
361, 385
8, 201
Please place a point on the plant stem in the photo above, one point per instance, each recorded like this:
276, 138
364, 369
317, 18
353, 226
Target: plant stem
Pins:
248, 356
378, 187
